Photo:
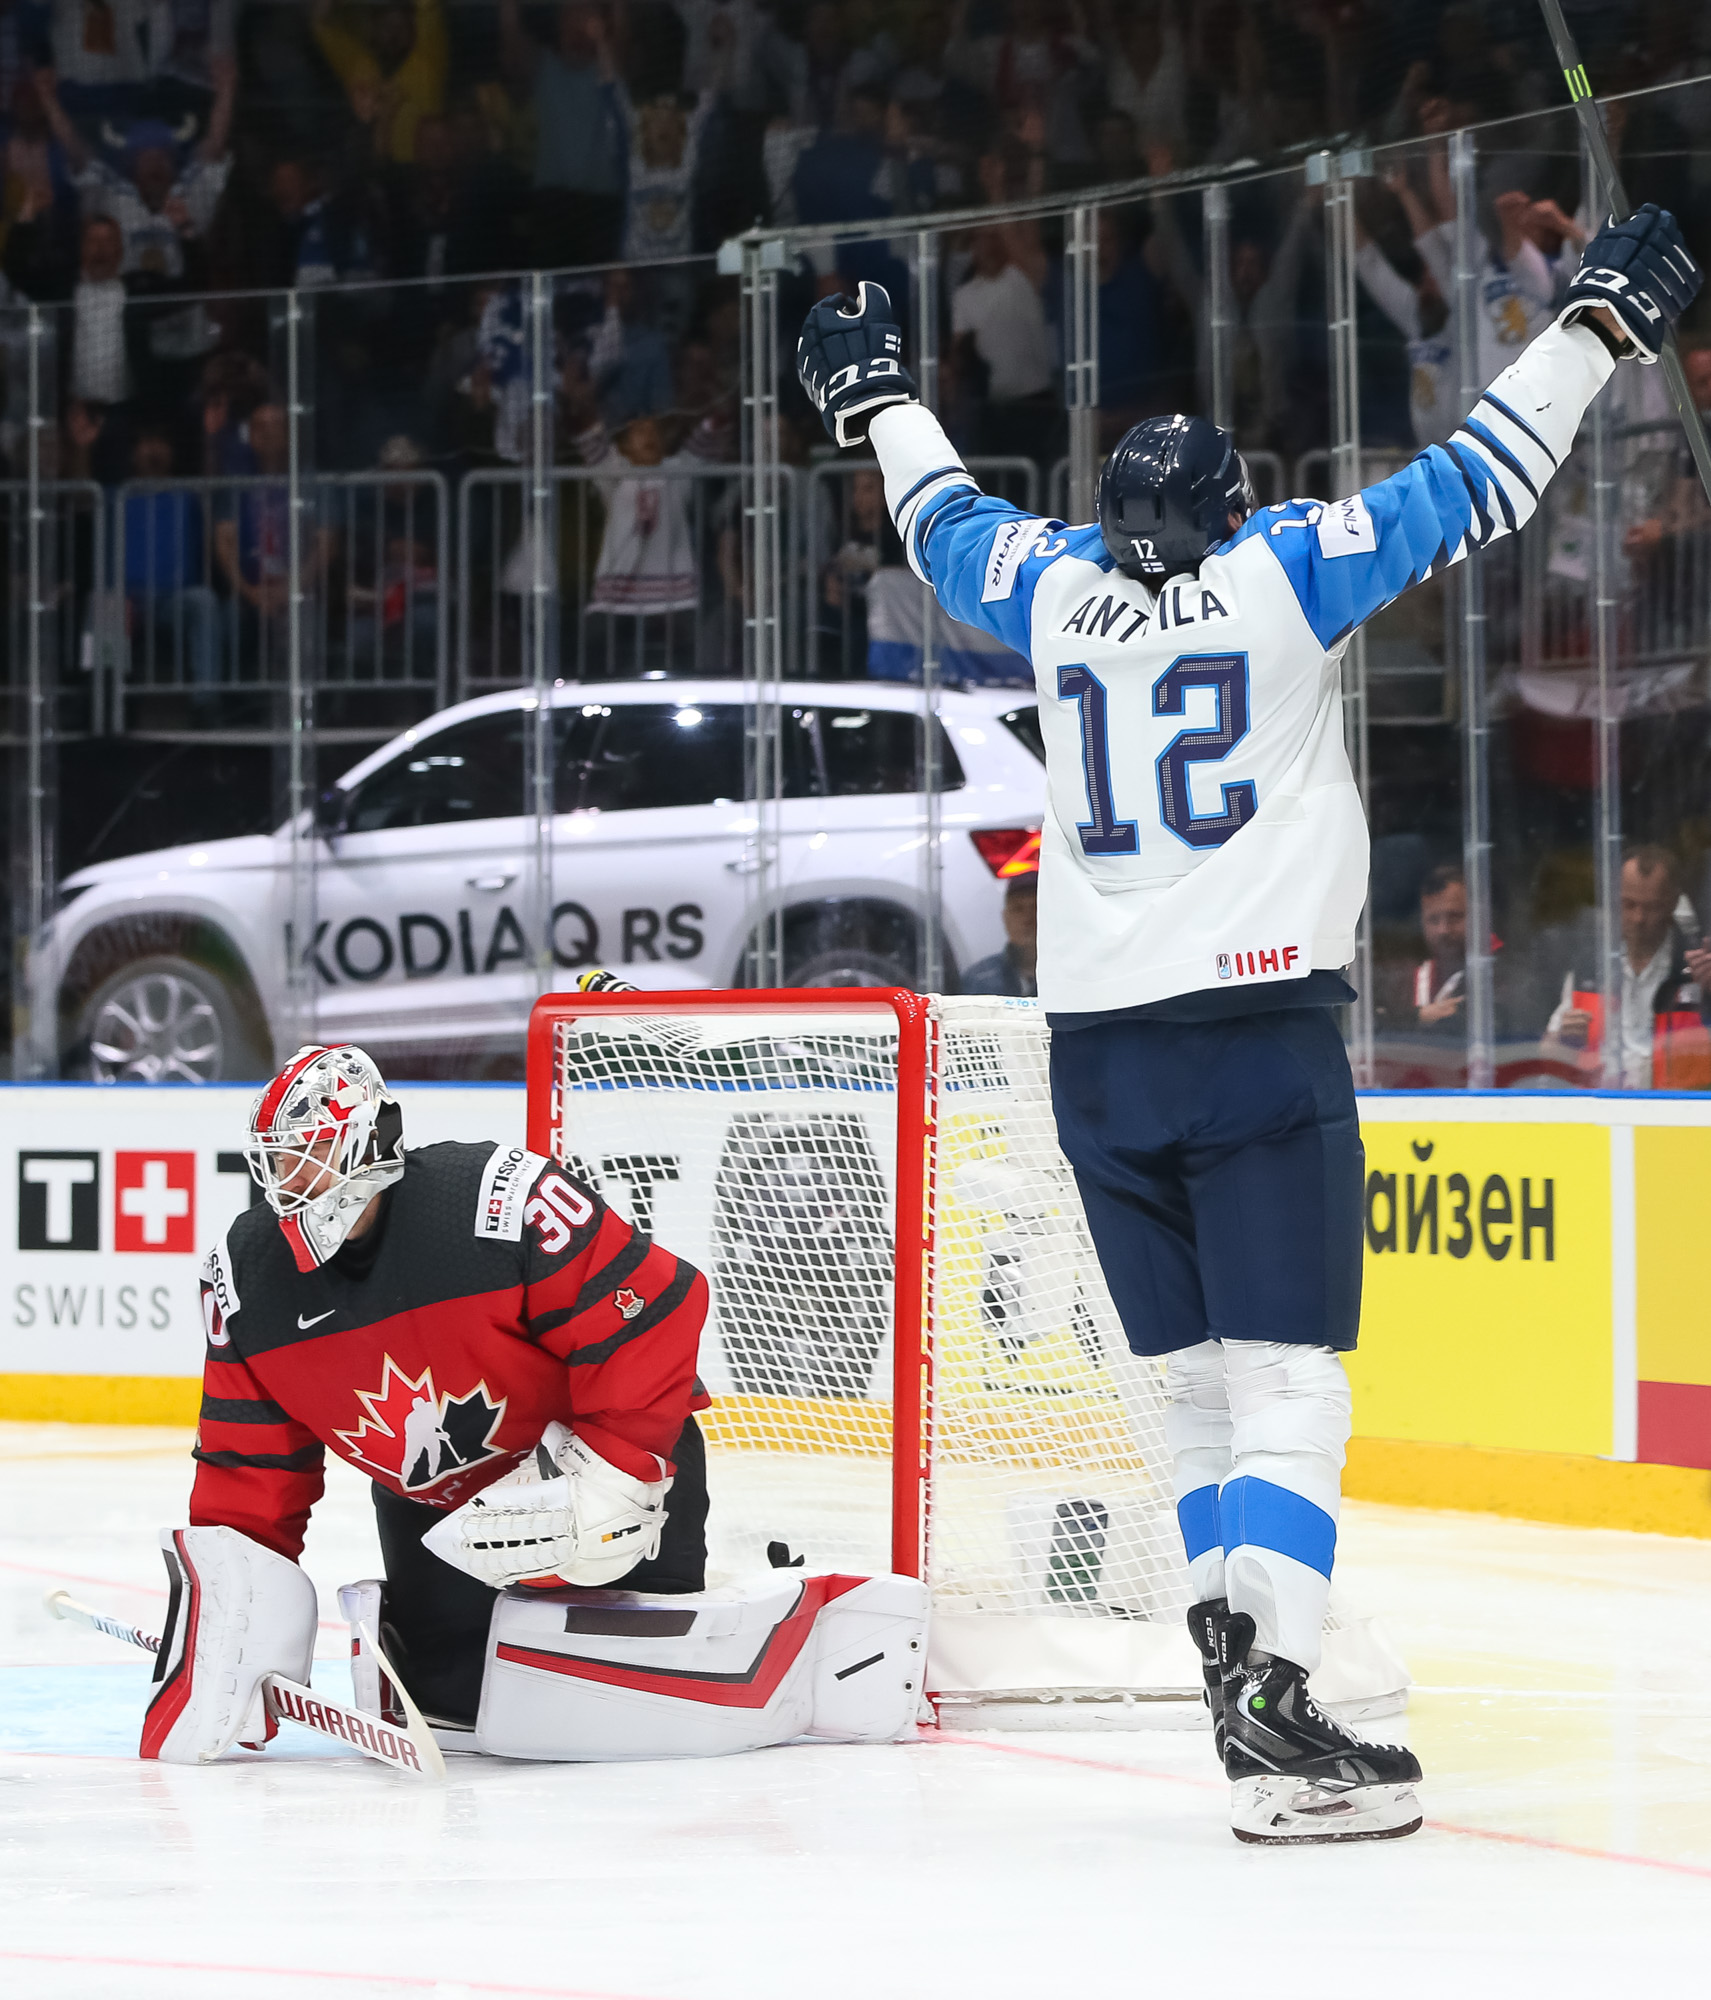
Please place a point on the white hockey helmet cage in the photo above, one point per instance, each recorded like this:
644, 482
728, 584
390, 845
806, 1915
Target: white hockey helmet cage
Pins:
325, 1137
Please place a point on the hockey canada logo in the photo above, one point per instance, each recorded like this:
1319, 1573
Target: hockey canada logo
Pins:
412, 1434
628, 1303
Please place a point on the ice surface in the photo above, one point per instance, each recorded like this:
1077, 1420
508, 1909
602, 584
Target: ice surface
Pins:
1562, 1716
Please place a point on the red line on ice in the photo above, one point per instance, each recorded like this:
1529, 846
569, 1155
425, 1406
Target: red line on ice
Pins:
412, 1982
1533, 1840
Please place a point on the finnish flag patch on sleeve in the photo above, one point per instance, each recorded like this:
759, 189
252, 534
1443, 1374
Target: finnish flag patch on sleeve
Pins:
505, 1184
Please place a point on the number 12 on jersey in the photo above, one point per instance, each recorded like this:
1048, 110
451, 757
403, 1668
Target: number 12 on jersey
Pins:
1226, 674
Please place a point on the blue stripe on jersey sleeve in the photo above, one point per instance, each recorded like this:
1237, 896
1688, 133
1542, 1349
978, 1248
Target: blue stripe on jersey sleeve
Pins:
1422, 518
985, 558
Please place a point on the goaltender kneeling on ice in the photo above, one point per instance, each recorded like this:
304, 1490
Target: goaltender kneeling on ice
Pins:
514, 1367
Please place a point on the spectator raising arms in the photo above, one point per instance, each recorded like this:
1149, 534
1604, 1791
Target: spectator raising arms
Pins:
578, 206
1004, 345
648, 553
665, 144
393, 70
161, 208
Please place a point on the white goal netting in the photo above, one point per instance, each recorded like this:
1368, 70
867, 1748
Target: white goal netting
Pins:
763, 1146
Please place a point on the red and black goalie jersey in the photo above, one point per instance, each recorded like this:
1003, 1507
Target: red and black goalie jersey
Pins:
498, 1295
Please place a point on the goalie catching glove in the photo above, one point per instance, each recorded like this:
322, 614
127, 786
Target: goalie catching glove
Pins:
1639, 271
564, 1516
850, 362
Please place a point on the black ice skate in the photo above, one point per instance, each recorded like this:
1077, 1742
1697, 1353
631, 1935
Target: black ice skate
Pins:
1295, 1774
1205, 1621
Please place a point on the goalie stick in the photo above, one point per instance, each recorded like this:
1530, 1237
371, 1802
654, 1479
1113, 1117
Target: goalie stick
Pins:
1598, 145
410, 1749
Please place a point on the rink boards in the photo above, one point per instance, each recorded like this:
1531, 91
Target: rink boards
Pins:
1533, 1271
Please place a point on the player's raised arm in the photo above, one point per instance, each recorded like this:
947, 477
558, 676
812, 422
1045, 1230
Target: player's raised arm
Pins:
1347, 559
980, 555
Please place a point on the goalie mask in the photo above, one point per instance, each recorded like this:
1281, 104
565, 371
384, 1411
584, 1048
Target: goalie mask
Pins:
325, 1137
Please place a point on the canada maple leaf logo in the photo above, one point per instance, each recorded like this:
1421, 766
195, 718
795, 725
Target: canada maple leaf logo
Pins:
628, 1303
415, 1436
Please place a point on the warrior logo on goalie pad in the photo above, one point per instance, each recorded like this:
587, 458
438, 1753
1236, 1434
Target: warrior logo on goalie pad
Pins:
418, 1437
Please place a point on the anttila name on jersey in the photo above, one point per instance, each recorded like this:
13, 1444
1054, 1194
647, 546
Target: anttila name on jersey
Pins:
1098, 620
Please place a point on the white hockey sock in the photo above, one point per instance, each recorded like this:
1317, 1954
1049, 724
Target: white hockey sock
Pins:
1290, 1414
1197, 1429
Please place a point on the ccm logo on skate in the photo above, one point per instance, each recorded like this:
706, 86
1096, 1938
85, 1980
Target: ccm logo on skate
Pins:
341, 1722
1278, 963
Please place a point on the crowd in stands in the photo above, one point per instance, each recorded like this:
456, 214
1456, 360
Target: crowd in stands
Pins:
157, 147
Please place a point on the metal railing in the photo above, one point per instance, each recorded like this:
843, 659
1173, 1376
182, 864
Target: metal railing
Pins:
645, 567
199, 591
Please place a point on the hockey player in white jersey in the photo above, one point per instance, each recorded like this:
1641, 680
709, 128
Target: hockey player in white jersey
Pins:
1203, 868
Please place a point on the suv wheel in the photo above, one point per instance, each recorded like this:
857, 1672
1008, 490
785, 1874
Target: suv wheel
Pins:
852, 967
164, 1020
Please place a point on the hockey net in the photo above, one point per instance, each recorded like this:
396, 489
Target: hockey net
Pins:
913, 1359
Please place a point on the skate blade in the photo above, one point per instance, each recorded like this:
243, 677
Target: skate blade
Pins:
1285, 1812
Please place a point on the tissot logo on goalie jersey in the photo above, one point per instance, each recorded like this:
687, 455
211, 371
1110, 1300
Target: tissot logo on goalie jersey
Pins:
505, 1181
415, 1435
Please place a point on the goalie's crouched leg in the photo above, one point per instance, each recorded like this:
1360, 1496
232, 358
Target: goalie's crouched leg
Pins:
237, 1613
610, 1675
436, 1618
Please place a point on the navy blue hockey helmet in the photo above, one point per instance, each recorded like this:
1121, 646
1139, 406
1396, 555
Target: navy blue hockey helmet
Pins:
1166, 494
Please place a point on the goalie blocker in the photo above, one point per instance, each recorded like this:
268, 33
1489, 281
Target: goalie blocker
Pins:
237, 1612
597, 1676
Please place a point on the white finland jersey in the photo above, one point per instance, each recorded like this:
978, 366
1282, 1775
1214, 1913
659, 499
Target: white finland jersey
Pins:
1203, 828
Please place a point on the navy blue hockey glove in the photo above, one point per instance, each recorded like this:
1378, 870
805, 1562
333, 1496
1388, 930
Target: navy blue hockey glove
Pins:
850, 361
1638, 270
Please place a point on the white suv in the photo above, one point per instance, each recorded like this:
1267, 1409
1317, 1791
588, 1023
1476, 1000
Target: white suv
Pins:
170, 965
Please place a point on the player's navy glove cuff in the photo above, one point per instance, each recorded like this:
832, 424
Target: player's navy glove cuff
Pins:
1640, 272
850, 361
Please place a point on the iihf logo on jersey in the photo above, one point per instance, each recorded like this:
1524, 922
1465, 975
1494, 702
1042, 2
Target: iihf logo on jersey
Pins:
417, 1437
1280, 962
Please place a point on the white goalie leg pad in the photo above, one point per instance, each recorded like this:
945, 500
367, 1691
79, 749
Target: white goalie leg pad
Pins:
614, 1675
870, 1648
1290, 1408
1197, 1429
238, 1612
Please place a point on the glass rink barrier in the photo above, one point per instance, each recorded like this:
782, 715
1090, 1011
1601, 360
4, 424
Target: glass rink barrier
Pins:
381, 655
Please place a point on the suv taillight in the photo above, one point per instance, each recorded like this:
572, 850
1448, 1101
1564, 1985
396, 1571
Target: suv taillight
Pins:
1009, 850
